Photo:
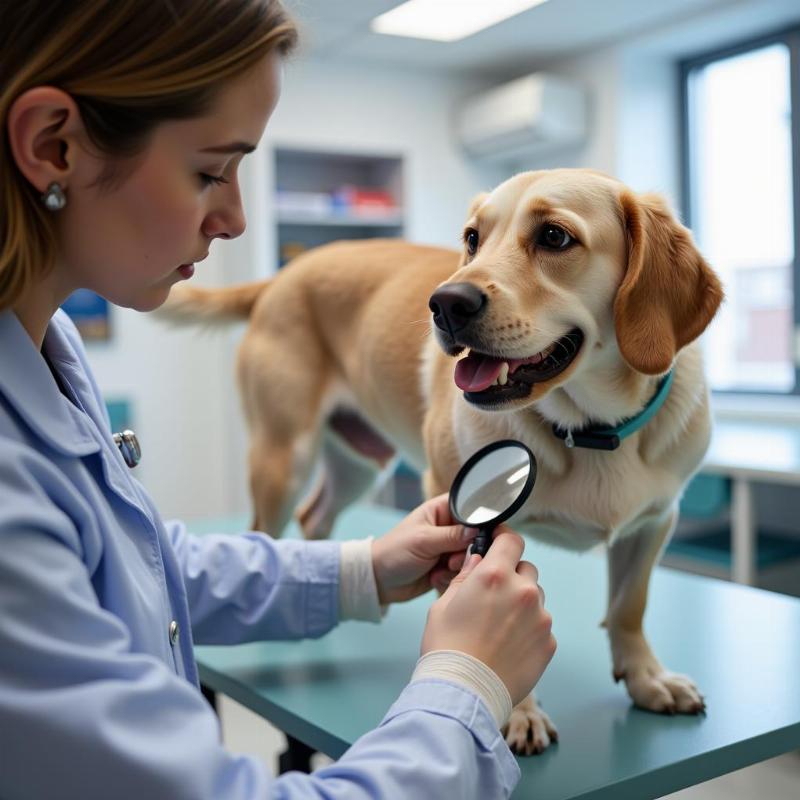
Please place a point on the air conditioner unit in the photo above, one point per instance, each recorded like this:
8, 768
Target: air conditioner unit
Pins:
528, 117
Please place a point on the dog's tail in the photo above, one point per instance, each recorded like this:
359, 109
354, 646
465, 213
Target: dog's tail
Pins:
196, 304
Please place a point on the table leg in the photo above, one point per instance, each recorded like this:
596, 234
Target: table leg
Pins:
296, 756
743, 533
211, 696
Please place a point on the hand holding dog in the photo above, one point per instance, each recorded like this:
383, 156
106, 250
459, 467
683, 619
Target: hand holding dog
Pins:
426, 549
494, 610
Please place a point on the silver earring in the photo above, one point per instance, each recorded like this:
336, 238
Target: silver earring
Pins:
54, 198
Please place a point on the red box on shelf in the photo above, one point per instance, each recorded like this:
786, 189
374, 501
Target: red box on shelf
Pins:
361, 200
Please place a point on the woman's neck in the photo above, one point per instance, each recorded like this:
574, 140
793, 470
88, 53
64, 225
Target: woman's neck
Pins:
36, 306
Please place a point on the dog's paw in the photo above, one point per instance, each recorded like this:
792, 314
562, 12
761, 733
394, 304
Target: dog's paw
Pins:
529, 731
664, 692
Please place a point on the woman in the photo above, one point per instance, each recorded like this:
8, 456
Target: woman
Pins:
123, 126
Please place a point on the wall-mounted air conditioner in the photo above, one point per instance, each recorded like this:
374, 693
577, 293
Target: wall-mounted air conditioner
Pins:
532, 116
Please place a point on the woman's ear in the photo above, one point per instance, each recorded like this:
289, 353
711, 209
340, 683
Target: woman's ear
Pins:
43, 128
669, 294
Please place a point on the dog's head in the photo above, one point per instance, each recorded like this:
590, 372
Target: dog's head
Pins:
561, 264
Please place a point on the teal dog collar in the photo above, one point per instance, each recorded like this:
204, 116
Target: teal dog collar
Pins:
610, 438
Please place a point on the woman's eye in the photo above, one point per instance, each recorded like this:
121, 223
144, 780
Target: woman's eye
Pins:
554, 237
471, 240
207, 179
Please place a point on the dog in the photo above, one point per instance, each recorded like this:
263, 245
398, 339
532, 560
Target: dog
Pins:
574, 305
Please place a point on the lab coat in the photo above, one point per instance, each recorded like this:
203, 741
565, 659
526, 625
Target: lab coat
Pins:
101, 602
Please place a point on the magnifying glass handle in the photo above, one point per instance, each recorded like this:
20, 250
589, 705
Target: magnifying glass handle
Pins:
481, 542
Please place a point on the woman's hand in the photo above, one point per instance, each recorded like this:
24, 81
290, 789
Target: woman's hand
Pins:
494, 610
426, 549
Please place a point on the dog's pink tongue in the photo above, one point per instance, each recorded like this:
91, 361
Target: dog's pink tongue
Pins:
477, 372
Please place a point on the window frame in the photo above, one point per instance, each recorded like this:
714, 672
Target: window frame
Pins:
790, 37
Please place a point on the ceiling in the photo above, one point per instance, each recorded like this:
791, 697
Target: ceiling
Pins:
559, 28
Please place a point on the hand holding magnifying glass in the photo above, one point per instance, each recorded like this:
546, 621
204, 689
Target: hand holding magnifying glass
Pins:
490, 487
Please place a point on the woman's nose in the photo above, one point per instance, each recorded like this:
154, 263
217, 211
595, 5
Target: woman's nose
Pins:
227, 221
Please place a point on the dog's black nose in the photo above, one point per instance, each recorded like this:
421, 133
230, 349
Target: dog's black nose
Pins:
455, 305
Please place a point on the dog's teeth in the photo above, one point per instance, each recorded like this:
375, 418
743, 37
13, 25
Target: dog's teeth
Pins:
495, 382
502, 378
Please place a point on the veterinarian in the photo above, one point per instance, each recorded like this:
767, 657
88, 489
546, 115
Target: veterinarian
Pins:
123, 126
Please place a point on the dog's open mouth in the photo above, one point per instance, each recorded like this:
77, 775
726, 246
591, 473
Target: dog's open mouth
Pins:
489, 380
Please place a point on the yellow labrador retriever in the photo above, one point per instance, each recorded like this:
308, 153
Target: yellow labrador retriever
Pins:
567, 321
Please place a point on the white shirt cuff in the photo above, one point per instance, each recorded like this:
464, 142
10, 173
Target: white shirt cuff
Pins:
358, 592
467, 671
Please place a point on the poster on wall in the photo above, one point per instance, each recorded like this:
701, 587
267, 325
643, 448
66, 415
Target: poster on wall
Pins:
90, 313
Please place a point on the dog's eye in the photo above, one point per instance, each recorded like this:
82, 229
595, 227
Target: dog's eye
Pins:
554, 237
471, 240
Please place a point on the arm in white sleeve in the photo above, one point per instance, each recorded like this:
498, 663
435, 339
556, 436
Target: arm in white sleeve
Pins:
438, 740
84, 716
250, 587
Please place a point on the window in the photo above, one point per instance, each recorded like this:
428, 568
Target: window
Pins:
741, 208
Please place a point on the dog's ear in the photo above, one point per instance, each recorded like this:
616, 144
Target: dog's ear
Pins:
669, 293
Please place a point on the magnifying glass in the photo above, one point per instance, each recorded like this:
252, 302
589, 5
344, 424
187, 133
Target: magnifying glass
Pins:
490, 487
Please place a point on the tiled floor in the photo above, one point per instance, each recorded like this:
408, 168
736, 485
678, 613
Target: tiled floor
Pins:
778, 779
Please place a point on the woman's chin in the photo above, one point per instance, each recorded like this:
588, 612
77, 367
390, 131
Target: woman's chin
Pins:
150, 301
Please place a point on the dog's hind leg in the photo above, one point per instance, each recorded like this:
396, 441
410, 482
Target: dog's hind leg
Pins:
343, 478
650, 685
279, 472
353, 456
284, 407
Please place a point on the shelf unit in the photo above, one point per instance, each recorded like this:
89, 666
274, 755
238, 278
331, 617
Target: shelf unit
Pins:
322, 196
305, 219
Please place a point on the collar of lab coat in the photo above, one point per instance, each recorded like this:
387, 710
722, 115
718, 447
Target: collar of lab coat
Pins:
28, 385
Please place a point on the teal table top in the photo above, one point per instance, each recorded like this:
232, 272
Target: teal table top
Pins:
741, 645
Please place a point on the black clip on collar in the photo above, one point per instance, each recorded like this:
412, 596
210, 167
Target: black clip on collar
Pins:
594, 440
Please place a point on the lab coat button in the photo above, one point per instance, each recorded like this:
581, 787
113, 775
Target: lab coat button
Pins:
174, 632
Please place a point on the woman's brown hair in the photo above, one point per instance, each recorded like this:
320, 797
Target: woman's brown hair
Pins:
129, 65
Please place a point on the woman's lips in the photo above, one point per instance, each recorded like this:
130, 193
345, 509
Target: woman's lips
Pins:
186, 271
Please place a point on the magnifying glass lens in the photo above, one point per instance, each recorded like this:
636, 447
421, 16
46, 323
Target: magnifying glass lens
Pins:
491, 483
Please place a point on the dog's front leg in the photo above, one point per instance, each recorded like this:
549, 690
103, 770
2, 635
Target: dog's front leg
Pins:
630, 561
